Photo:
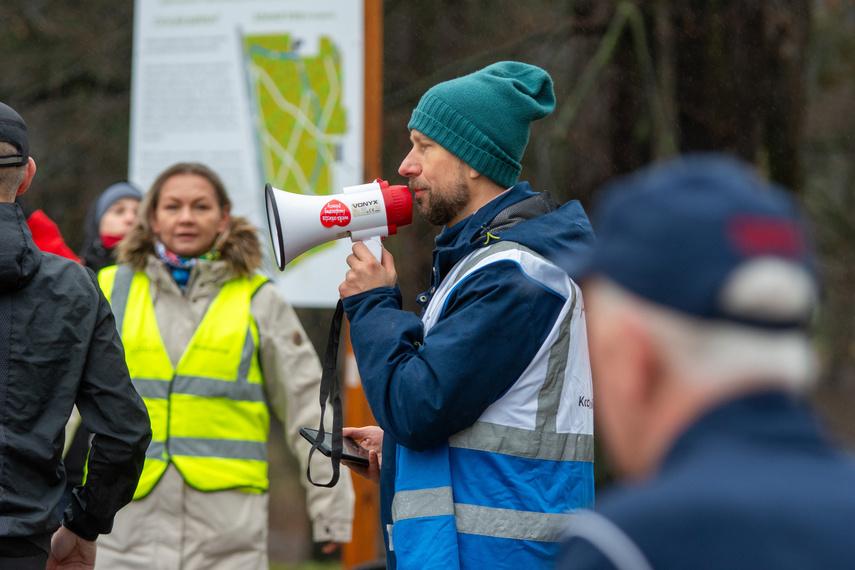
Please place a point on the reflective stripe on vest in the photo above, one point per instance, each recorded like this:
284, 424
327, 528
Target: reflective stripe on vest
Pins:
541, 427
209, 414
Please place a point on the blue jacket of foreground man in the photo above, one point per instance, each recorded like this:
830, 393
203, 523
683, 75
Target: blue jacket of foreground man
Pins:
755, 483
486, 404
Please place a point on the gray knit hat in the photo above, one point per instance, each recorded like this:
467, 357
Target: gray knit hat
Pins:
484, 118
113, 194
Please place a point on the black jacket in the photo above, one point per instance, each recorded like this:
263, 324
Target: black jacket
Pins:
58, 347
93, 253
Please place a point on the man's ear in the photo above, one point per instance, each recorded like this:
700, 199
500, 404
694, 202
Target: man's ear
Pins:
31, 172
645, 365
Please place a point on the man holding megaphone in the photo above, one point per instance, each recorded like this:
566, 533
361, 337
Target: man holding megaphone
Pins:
484, 404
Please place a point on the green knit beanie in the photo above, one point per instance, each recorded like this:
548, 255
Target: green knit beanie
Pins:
483, 118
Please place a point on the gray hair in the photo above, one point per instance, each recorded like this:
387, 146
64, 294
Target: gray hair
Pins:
720, 352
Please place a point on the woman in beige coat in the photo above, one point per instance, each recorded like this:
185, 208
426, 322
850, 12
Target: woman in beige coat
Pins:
211, 347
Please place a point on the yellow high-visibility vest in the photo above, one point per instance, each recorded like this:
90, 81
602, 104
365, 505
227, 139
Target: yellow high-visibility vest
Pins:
209, 414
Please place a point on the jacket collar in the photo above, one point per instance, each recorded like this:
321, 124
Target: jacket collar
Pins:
458, 241
19, 257
207, 276
767, 417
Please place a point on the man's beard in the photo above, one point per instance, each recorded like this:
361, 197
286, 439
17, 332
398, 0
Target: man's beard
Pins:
442, 207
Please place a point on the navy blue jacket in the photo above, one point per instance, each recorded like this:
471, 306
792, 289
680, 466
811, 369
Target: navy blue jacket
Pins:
754, 484
423, 390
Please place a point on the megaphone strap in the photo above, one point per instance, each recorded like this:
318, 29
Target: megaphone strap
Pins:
330, 387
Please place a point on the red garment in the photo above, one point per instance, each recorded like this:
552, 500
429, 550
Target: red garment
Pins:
109, 242
47, 236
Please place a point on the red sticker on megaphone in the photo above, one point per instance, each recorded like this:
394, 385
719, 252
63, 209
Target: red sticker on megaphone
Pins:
335, 213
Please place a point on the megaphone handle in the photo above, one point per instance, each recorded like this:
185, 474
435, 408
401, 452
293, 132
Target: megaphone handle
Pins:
375, 246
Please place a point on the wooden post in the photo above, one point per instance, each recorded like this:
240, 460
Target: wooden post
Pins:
367, 543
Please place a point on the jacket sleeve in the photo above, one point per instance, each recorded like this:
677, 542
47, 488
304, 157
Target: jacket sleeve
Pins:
113, 411
424, 388
292, 377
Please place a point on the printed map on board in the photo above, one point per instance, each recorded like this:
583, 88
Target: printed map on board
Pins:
298, 110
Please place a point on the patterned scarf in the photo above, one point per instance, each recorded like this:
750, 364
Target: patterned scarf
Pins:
181, 266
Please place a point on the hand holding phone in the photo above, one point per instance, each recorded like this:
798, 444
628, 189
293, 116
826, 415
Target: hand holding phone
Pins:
351, 451
370, 438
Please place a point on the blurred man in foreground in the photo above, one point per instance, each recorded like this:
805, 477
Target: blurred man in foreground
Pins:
699, 291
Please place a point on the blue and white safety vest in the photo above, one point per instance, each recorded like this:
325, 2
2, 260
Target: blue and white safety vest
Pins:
502, 490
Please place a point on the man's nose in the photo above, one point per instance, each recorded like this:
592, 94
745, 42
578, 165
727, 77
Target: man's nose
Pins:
409, 167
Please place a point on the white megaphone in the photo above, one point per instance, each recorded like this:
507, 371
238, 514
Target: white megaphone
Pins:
297, 223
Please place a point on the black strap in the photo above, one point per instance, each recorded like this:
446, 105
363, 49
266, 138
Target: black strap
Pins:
330, 387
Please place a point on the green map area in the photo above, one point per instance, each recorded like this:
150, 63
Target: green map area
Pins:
298, 109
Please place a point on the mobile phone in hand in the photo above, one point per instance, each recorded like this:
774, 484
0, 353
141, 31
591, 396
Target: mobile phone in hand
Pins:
351, 451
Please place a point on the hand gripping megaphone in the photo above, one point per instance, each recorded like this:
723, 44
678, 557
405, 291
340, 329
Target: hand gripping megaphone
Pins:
297, 223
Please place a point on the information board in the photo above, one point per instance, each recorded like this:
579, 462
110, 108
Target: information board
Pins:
261, 91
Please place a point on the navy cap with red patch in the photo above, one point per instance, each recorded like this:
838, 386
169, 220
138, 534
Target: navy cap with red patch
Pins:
13, 130
705, 235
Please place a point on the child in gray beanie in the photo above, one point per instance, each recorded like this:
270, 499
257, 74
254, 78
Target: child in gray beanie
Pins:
107, 222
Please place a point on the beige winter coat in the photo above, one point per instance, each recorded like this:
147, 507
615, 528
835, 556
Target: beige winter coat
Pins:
177, 527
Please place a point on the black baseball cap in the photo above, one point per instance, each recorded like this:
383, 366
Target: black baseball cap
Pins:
13, 130
704, 234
